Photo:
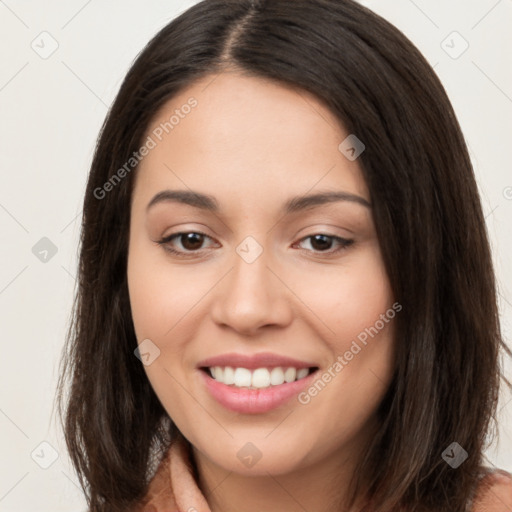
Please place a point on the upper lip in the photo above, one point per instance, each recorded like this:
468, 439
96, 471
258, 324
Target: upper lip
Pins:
251, 362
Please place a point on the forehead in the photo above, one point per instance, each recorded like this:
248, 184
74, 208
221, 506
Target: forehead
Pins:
229, 132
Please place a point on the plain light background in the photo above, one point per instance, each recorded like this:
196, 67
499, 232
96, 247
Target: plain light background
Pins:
51, 110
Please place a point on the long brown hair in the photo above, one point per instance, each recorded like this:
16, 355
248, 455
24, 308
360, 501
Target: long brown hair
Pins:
429, 222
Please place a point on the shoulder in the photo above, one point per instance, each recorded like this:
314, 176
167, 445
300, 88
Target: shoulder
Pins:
494, 493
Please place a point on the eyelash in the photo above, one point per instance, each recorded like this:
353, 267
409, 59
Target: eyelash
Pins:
344, 244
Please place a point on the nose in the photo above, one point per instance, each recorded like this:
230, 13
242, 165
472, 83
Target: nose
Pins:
252, 295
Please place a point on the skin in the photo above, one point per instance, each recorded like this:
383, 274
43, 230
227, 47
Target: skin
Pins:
252, 144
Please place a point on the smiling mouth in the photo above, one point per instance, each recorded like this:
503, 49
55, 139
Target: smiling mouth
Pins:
259, 378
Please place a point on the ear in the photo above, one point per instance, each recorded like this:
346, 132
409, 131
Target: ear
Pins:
494, 493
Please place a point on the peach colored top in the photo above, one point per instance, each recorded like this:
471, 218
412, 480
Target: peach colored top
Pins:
174, 488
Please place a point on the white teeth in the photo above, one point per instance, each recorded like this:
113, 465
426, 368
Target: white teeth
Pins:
290, 374
302, 373
229, 375
258, 378
276, 376
216, 372
242, 377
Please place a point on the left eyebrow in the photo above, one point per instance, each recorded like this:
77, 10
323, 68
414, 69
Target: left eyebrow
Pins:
298, 203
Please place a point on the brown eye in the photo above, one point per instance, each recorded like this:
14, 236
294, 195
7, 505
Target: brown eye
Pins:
322, 243
190, 242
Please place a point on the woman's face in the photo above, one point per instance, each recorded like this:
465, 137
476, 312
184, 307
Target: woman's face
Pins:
263, 270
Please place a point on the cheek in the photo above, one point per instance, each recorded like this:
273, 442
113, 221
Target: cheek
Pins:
353, 311
162, 301
145, 291
349, 298
160, 295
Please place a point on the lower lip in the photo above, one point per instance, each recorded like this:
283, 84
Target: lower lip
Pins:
254, 401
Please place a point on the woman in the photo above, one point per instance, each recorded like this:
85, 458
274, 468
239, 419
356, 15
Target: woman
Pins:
286, 297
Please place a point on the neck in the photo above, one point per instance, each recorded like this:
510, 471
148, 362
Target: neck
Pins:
323, 486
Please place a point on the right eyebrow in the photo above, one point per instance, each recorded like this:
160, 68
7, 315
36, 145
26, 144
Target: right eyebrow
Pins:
196, 199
